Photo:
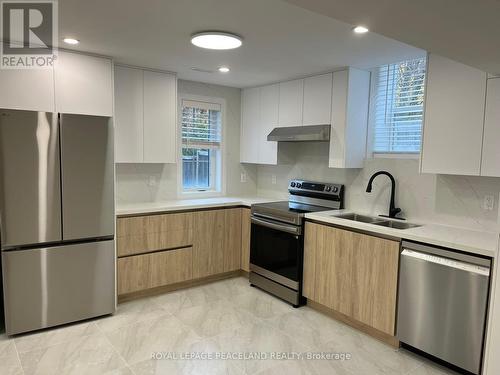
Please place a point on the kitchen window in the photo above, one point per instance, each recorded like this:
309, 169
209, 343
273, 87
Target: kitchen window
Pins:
397, 107
201, 128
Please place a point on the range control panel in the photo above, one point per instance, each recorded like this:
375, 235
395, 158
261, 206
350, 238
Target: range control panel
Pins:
303, 186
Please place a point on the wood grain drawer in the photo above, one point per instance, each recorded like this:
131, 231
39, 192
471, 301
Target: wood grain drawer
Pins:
140, 272
142, 234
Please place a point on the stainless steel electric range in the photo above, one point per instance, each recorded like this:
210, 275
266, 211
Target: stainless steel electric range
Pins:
277, 237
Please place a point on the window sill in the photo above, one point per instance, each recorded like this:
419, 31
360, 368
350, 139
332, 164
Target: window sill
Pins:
414, 156
199, 194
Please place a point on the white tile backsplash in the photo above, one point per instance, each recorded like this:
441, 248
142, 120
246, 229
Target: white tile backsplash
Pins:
443, 199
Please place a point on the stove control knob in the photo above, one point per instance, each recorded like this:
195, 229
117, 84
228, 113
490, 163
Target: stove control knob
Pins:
299, 185
335, 189
292, 184
328, 188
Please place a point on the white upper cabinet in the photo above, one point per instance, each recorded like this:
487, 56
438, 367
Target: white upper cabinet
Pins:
145, 116
269, 102
490, 165
27, 89
128, 115
258, 117
160, 130
83, 84
454, 118
317, 100
291, 101
339, 98
349, 118
250, 119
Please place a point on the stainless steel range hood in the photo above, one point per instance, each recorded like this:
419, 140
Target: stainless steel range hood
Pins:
313, 133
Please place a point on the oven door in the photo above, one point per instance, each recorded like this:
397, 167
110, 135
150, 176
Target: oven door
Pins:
276, 251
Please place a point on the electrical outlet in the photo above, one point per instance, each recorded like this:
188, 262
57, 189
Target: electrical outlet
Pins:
273, 179
488, 202
152, 181
243, 177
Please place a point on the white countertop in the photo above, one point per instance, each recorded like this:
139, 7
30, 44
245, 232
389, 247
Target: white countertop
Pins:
186, 204
471, 241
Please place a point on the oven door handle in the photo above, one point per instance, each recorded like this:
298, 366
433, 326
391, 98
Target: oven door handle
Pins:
278, 226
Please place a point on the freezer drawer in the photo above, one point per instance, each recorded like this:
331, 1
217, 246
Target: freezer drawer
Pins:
442, 305
30, 197
51, 286
87, 168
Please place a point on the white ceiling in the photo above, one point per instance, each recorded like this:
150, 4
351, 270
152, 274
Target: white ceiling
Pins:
281, 40
463, 30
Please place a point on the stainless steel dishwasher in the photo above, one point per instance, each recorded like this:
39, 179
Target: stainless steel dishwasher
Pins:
442, 303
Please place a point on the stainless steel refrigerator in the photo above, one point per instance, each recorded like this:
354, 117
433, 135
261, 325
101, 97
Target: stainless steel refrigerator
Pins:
56, 218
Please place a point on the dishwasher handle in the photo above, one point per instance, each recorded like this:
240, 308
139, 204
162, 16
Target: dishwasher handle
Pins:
447, 262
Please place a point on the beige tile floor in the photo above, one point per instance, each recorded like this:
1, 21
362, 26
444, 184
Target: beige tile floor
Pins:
222, 317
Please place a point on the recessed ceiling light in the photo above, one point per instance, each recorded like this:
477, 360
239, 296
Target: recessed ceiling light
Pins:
224, 69
216, 40
71, 41
360, 30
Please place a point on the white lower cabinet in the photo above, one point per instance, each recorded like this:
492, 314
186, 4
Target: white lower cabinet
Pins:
454, 118
490, 164
145, 116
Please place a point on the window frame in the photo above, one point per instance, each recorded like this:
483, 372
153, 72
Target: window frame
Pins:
371, 154
218, 167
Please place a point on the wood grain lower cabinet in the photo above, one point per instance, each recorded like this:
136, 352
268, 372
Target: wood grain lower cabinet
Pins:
140, 272
352, 273
142, 234
245, 239
217, 242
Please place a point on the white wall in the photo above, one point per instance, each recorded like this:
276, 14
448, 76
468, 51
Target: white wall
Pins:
453, 200
132, 180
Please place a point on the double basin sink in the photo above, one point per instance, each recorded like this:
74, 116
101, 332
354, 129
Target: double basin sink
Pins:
377, 221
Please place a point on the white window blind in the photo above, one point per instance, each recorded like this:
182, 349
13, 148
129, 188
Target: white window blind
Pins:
201, 124
201, 127
398, 108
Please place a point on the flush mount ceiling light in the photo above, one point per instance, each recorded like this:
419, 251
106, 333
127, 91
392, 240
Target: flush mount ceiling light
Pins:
224, 69
71, 41
216, 40
360, 29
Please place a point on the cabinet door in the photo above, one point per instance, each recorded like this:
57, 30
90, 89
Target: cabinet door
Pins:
27, 89
291, 103
490, 165
374, 278
250, 119
352, 273
128, 115
209, 239
160, 129
269, 102
317, 100
83, 84
232, 239
454, 118
245, 239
